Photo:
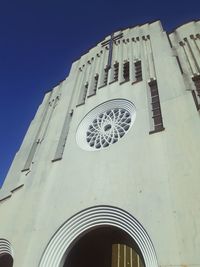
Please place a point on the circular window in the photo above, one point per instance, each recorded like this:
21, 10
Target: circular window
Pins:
105, 124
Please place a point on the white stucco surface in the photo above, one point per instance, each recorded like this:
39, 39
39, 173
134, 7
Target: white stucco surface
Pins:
154, 177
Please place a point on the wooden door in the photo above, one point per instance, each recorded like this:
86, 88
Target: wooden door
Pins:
124, 256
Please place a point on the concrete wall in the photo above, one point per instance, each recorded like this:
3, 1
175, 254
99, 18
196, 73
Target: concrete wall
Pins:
153, 177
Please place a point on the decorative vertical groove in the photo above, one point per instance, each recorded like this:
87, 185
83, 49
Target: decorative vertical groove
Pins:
195, 63
179, 64
113, 72
193, 67
53, 105
151, 58
37, 137
103, 69
190, 63
84, 84
91, 79
63, 137
195, 43
132, 58
120, 63
80, 87
148, 73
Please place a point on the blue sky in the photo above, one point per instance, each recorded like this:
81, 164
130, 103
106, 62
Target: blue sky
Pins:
40, 40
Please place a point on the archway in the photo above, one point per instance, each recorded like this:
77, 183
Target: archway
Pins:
61, 243
6, 258
105, 246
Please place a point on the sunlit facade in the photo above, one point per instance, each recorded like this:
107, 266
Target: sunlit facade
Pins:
108, 172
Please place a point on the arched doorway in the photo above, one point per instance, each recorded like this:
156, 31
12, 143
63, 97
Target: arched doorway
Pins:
106, 246
62, 242
6, 259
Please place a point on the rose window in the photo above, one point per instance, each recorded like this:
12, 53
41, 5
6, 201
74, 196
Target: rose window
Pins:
106, 124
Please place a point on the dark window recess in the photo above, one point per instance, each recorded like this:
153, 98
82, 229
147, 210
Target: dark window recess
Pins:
85, 91
6, 260
82, 97
116, 71
156, 109
196, 95
196, 80
105, 78
96, 78
126, 71
93, 87
138, 71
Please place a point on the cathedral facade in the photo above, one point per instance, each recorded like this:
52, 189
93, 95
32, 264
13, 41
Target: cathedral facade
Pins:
108, 173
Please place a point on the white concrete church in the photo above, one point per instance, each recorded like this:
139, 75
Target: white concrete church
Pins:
108, 174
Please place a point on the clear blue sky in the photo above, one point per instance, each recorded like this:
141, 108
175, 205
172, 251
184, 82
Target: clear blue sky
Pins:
40, 40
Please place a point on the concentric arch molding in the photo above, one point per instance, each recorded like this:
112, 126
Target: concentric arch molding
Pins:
86, 220
106, 124
6, 250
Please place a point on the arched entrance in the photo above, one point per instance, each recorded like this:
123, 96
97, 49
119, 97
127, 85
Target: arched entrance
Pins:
6, 259
61, 244
105, 246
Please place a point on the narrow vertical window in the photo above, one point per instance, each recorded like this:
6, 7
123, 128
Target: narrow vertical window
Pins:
196, 80
93, 85
138, 71
114, 75
155, 108
196, 95
83, 94
116, 71
105, 77
96, 78
85, 91
126, 71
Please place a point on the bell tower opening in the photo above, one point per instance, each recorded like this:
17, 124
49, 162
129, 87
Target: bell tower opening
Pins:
104, 247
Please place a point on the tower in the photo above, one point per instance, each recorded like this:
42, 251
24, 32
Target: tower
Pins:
108, 172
